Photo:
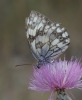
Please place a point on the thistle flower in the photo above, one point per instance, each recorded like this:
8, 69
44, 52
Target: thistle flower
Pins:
57, 77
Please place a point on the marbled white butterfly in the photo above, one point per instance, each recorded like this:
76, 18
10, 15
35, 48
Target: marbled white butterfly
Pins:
46, 39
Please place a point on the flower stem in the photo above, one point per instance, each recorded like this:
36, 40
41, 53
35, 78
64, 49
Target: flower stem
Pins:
61, 95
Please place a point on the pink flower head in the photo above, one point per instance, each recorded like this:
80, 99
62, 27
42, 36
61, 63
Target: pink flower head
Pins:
59, 75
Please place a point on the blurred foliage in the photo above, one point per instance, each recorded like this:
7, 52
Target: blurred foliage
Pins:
14, 47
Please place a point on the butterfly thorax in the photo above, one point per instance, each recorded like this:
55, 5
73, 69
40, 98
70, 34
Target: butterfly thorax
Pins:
41, 64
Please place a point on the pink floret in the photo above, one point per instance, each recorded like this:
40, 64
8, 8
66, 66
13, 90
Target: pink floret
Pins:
57, 75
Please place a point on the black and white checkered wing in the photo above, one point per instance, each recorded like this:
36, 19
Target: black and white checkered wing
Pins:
46, 39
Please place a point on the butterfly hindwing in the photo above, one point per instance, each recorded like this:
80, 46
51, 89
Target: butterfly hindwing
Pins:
46, 39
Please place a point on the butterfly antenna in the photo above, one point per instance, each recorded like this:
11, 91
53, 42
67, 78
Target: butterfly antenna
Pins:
22, 65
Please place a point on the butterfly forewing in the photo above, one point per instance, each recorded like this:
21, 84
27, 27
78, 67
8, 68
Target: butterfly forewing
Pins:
46, 39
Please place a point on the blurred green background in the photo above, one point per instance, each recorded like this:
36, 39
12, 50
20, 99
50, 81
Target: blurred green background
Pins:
14, 48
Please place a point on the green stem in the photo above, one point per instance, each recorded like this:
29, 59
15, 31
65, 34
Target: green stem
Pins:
61, 95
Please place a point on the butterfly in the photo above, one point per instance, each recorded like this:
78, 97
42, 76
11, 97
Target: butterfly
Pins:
46, 39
